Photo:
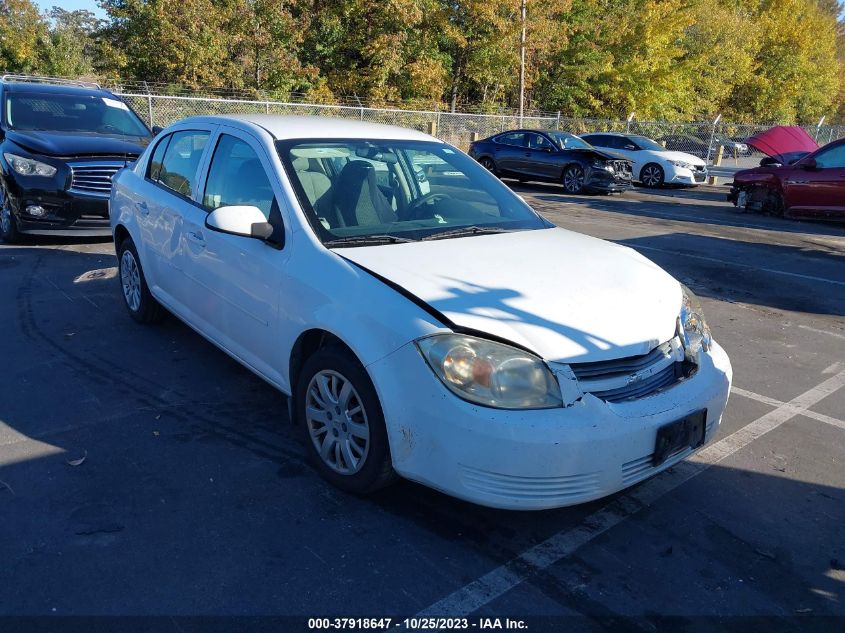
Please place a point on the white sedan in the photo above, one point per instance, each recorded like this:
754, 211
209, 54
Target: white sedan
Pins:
654, 165
425, 321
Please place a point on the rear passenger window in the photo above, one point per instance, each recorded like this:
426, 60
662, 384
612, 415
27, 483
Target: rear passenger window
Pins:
178, 169
514, 138
155, 161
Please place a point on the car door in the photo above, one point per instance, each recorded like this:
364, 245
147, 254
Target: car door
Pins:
171, 178
540, 157
235, 281
508, 151
820, 189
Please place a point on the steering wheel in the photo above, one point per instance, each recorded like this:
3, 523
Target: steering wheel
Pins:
428, 198
110, 128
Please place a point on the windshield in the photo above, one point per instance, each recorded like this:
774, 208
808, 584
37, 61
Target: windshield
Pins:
646, 143
357, 191
72, 113
569, 141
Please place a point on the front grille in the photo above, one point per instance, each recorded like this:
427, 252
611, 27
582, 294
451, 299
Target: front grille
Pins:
632, 377
93, 178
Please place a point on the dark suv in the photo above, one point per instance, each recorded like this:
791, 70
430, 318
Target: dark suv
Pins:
60, 144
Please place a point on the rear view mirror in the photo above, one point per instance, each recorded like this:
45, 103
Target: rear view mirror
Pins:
768, 161
243, 221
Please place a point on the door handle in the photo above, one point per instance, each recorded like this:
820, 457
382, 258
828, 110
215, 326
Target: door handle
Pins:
143, 208
196, 238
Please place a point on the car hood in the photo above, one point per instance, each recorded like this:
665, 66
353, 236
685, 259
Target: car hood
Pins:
782, 140
600, 153
565, 296
77, 144
673, 155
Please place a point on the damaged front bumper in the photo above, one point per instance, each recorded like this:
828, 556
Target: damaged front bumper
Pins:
535, 459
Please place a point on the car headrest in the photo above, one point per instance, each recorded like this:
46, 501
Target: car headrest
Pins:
301, 163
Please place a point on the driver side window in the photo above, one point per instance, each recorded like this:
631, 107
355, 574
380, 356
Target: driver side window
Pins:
833, 158
237, 177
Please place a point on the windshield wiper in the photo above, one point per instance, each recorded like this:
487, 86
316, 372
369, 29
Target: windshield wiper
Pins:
464, 231
367, 240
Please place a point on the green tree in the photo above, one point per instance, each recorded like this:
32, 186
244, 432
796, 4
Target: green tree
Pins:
70, 49
22, 34
797, 74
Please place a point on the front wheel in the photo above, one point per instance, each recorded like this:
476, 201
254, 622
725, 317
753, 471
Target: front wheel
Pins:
343, 423
8, 225
137, 298
652, 175
573, 179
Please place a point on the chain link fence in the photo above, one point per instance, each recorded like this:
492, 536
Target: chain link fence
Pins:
701, 139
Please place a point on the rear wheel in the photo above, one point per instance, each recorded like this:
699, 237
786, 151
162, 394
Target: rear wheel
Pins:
343, 424
8, 225
573, 179
652, 175
488, 164
141, 305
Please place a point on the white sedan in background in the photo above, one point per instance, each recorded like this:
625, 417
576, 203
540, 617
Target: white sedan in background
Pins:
431, 326
654, 165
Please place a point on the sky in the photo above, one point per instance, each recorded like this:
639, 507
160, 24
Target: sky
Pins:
71, 5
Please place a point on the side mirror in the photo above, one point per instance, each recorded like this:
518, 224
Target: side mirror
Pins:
630, 147
243, 221
548, 148
809, 164
157, 129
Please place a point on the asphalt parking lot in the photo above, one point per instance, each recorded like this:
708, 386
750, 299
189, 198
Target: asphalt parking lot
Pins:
194, 498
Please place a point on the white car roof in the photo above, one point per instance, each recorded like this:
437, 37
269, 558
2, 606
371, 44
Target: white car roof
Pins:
284, 127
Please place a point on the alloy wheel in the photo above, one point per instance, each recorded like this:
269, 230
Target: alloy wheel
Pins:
651, 176
337, 422
130, 280
573, 179
487, 163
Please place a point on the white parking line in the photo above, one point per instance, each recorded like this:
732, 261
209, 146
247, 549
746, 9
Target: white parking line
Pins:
821, 417
737, 264
490, 586
818, 331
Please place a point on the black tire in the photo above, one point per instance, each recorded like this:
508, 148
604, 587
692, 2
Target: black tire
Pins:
774, 204
573, 179
652, 176
329, 427
488, 164
140, 304
8, 225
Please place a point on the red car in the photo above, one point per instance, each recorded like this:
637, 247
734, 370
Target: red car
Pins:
798, 179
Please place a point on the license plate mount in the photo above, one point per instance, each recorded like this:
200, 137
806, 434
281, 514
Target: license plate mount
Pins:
688, 432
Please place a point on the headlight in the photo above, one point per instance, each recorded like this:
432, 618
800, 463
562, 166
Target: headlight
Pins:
491, 374
29, 167
681, 164
693, 328
600, 164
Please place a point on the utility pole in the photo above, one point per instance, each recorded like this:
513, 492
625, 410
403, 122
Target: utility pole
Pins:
522, 66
